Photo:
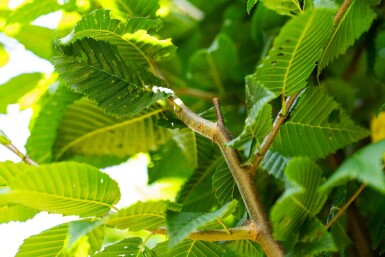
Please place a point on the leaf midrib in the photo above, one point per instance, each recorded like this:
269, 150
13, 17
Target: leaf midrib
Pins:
104, 129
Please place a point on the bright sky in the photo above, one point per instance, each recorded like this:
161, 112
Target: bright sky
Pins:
15, 125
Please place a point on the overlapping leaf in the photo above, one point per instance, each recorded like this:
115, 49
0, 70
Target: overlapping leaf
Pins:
15, 212
181, 224
189, 248
246, 248
366, 165
130, 37
346, 30
125, 248
98, 70
300, 200
274, 163
137, 8
295, 52
66, 188
284, 7
317, 127
142, 215
86, 131
45, 126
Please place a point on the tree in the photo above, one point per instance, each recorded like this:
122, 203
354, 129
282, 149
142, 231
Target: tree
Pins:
299, 84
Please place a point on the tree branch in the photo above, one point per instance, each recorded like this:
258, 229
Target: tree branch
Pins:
219, 134
279, 120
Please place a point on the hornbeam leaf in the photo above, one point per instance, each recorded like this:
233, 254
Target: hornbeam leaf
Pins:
86, 131
284, 7
189, 248
67, 188
300, 199
130, 37
316, 127
250, 5
246, 248
142, 215
16, 212
137, 8
45, 126
274, 163
98, 70
181, 224
346, 30
365, 165
125, 248
295, 52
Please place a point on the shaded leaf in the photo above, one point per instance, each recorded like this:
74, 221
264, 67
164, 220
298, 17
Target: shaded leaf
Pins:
99, 71
186, 140
66, 188
295, 52
85, 130
246, 248
275, 163
181, 224
127, 247
300, 199
365, 165
224, 184
316, 127
346, 30
379, 65
133, 8
211, 68
139, 216
16, 87
250, 5
45, 126
189, 248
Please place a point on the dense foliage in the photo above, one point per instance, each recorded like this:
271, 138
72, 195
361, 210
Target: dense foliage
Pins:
301, 87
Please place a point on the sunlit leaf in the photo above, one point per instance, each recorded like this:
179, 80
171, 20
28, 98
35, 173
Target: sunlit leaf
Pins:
189, 248
130, 37
4, 56
181, 224
139, 216
346, 30
98, 70
125, 248
295, 52
85, 130
284, 7
300, 200
316, 127
366, 165
16, 212
16, 87
66, 188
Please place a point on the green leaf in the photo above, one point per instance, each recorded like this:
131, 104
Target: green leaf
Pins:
133, 8
250, 5
211, 68
4, 56
295, 52
224, 185
346, 30
316, 127
140, 216
187, 141
50, 242
98, 70
379, 65
45, 126
313, 240
284, 7
125, 248
189, 248
130, 37
246, 248
78, 229
16, 87
85, 130
66, 188
32, 10
365, 165
16, 212
300, 199
275, 163
181, 224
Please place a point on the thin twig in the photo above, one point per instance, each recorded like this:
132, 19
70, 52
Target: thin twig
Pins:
341, 12
279, 120
347, 204
22, 156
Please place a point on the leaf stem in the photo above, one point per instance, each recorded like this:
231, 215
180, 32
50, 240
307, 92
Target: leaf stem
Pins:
346, 205
4, 140
279, 120
219, 134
